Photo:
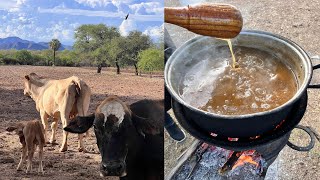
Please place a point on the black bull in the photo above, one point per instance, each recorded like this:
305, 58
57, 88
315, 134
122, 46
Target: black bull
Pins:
132, 149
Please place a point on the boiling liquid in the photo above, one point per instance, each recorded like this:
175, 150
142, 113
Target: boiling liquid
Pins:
262, 82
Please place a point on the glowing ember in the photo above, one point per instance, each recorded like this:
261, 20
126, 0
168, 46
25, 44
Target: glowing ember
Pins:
233, 139
256, 137
244, 159
236, 159
279, 124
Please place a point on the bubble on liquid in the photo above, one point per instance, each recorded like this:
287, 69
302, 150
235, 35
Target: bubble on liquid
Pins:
225, 107
247, 93
254, 105
232, 109
273, 77
252, 70
261, 91
268, 97
265, 106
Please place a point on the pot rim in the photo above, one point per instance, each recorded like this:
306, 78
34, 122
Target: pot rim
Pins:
294, 46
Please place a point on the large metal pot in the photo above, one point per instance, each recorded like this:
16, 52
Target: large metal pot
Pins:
248, 125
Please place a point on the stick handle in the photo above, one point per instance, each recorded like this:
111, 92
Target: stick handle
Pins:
217, 20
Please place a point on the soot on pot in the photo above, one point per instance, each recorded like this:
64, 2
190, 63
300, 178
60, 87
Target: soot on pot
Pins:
262, 82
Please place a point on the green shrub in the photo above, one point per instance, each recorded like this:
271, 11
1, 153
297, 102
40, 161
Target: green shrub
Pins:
151, 59
9, 61
24, 57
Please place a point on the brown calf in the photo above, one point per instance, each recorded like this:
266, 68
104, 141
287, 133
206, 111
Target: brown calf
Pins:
30, 134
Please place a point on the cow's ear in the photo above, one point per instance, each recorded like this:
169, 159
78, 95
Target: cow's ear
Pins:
144, 126
18, 128
80, 124
27, 77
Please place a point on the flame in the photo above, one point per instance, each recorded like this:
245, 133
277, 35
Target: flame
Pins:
256, 137
213, 134
244, 159
232, 139
279, 124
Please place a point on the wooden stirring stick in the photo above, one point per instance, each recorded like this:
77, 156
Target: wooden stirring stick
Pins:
217, 20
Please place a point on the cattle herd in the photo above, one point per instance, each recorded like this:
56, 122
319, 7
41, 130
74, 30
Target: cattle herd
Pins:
129, 137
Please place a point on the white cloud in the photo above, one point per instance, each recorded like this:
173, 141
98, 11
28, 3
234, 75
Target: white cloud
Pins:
2, 34
61, 30
155, 32
127, 26
8, 4
75, 25
21, 2
102, 3
12, 5
107, 14
147, 7
67, 34
188, 2
93, 3
80, 12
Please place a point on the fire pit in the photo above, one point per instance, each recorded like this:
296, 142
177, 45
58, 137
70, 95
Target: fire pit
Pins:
214, 157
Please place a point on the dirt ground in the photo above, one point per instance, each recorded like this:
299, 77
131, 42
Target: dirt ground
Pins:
298, 20
14, 107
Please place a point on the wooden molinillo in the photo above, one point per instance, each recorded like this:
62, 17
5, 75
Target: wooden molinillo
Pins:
217, 20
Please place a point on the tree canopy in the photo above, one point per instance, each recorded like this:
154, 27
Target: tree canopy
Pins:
24, 57
151, 59
54, 45
95, 45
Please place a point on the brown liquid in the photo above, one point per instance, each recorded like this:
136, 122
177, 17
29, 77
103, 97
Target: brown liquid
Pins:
234, 62
262, 82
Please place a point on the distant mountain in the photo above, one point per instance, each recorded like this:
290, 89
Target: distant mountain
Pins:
62, 47
18, 43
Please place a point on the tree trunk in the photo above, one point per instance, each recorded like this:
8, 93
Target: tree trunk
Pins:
54, 57
99, 68
118, 67
135, 66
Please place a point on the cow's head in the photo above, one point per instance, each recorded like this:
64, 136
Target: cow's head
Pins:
114, 127
18, 128
30, 79
27, 86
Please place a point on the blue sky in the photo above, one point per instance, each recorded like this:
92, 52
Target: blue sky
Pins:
42, 20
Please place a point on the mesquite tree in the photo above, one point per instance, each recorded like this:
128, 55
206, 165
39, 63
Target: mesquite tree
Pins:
137, 42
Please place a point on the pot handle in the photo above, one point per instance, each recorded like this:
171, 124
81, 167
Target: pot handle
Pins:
317, 57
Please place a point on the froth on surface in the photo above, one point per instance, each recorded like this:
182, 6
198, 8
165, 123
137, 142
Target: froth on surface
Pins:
262, 82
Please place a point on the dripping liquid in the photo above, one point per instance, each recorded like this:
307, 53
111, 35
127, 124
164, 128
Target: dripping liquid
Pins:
234, 62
